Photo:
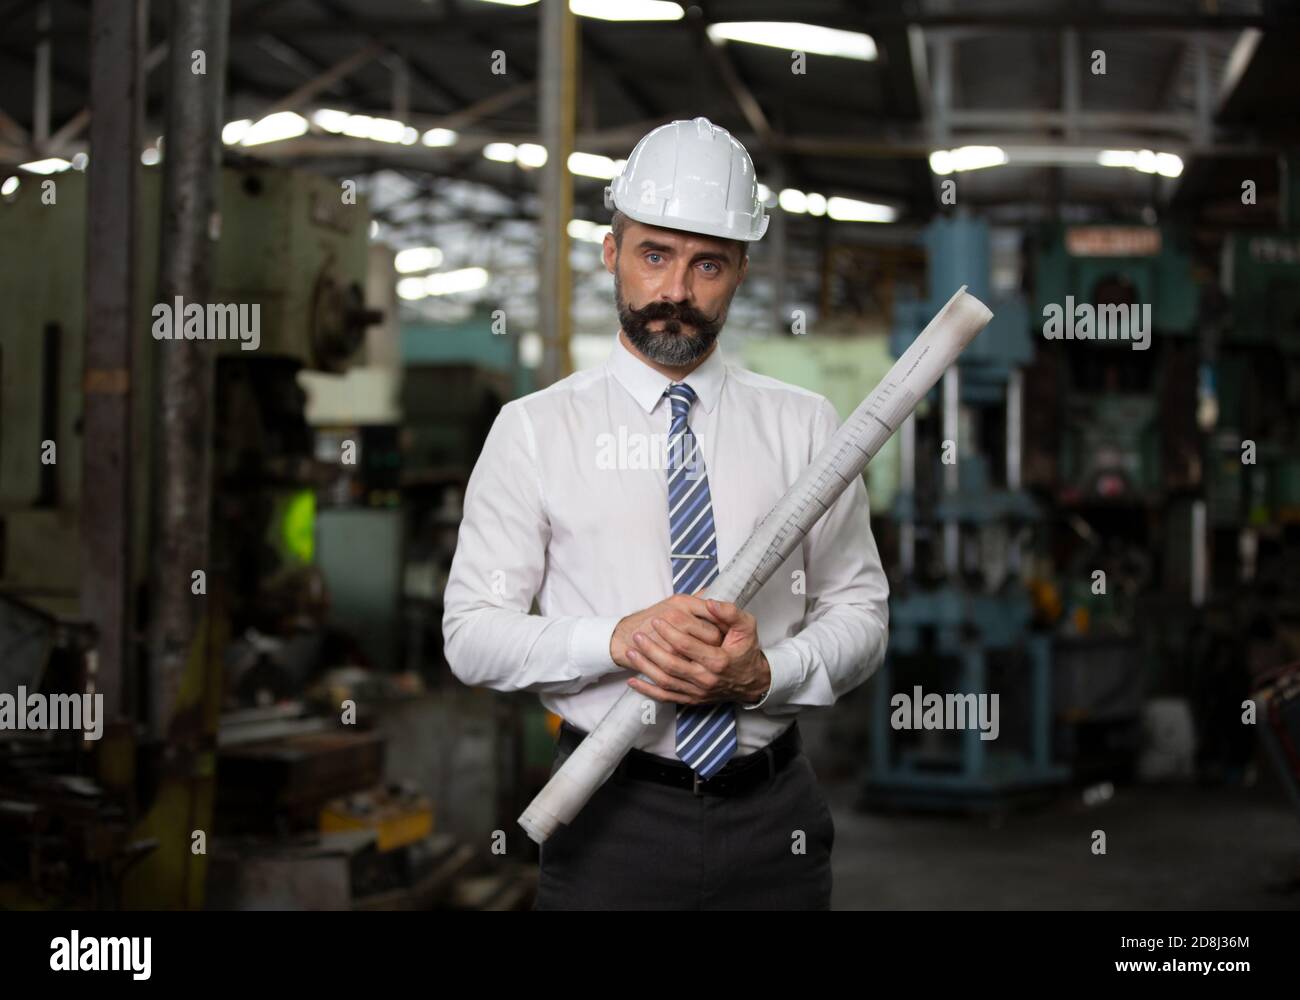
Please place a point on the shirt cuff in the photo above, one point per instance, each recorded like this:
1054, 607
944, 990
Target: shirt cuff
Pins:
784, 666
589, 646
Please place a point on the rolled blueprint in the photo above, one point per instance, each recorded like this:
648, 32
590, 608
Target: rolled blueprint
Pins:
847, 453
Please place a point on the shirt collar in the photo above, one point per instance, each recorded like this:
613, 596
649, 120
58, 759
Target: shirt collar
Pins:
647, 385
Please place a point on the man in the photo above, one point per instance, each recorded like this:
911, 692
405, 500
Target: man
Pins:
614, 496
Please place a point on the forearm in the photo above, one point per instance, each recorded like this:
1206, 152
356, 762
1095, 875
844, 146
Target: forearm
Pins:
508, 650
824, 661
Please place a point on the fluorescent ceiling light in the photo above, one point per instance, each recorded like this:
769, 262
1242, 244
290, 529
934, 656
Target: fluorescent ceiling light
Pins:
53, 165
796, 37
852, 210
440, 137
1144, 160
9, 186
417, 259
501, 152
275, 128
530, 154
614, 10
331, 120
584, 229
791, 200
234, 131
816, 203
946, 161
411, 289
594, 165
448, 282
628, 10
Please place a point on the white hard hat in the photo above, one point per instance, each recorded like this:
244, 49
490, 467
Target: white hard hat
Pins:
691, 175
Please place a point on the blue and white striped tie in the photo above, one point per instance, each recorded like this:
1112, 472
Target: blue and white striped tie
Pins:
706, 734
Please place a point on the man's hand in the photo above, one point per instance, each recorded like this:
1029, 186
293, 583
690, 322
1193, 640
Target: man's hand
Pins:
688, 614
688, 671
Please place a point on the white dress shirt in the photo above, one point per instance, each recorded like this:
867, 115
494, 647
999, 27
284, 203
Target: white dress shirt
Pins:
547, 517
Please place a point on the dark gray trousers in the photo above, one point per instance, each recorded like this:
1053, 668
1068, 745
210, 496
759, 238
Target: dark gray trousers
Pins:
643, 846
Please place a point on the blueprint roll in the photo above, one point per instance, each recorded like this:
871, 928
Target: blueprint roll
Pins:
847, 453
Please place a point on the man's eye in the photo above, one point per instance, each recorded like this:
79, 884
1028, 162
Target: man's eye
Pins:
650, 255
709, 263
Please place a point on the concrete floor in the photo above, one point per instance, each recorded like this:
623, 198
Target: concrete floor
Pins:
1168, 847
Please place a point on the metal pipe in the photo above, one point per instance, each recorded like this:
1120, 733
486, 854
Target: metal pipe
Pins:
558, 106
117, 34
41, 81
183, 417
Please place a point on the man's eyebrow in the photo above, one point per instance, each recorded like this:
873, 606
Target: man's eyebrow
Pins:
665, 248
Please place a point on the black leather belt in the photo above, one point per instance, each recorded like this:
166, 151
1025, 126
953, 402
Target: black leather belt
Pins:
737, 776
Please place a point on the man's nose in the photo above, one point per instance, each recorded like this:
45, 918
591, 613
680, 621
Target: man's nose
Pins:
676, 286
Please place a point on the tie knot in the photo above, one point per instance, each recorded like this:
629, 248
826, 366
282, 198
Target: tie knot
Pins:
681, 396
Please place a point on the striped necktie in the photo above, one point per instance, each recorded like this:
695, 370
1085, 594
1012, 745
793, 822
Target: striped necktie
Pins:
706, 734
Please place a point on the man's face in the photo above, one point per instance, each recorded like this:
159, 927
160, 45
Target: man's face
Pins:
672, 290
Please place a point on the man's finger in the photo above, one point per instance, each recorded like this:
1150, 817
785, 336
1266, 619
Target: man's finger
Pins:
662, 676
724, 611
688, 646
658, 693
701, 628
668, 661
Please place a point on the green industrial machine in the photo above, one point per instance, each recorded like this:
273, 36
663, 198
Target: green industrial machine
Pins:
960, 614
1124, 429
287, 243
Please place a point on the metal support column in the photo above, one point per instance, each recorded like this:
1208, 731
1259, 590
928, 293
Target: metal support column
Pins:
557, 103
183, 417
117, 37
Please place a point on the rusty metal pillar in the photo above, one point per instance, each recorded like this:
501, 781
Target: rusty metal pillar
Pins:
557, 107
117, 39
182, 431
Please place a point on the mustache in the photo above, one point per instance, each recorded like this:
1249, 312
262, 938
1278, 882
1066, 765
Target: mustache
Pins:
680, 311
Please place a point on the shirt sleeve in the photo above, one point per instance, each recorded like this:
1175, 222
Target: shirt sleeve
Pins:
846, 626
489, 637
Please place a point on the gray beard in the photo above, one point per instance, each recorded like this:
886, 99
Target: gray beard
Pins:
673, 350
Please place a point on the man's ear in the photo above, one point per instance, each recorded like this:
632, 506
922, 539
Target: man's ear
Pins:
609, 252
744, 267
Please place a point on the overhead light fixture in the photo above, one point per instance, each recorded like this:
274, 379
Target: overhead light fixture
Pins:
792, 200
440, 137
275, 128
330, 120
628, 10
449, 282
501, 152
530, 154
794, 36
594, 165
9, 186
414, 259
852, 210
614, 10
1143, 160
235, 131
947, 161
52, 165
584, 229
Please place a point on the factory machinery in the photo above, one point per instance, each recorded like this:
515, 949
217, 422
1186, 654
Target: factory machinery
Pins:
960, 617
112, 822
1109, 550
